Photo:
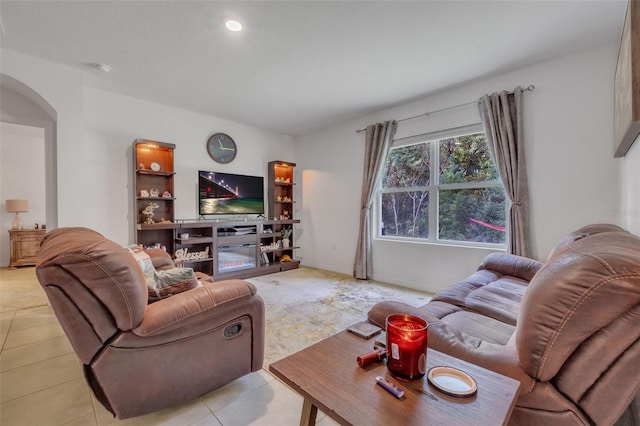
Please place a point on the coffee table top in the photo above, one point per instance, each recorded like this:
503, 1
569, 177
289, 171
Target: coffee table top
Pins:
328, 376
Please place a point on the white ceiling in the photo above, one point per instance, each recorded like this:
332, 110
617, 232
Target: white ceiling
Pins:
301, 65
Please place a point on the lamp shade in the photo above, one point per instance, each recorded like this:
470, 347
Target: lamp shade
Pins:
17, 206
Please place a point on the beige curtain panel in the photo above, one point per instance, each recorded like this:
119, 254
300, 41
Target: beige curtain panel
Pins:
377, 141
502, 117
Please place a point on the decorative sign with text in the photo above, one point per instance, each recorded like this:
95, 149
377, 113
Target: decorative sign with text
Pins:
183, 255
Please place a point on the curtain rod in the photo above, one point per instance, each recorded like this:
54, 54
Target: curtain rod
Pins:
529, 88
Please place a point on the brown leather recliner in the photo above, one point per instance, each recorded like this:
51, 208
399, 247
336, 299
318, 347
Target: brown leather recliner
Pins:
573, 322
140, 357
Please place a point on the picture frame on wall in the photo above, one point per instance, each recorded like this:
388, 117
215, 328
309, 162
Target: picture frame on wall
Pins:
627, 83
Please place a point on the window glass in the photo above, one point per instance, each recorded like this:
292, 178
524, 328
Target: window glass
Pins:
406, 214
407, 167
452, 169
472, 215
466, 159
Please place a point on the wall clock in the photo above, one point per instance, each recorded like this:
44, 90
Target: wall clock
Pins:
221, 148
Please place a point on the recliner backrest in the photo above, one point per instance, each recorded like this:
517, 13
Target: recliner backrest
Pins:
94, 285
583, 232
579, 323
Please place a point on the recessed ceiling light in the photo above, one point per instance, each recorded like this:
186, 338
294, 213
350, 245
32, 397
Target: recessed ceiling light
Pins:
233, 25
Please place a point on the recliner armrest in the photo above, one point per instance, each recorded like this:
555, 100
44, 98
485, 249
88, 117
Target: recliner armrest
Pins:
182, 310
501, 359
511, 264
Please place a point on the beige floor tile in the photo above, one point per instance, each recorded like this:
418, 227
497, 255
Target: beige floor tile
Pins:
226, 394
34, 317
32, 334
5, 320
271, 404
7, 315
53, 406
210, 420
88, 420
34, 352
22, 381
327, 421
186, 413
20, 289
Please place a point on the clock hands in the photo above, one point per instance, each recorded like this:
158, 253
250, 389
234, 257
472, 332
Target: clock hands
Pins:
224, 148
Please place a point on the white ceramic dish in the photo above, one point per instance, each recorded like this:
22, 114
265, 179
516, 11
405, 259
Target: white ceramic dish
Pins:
155, 167
452, 381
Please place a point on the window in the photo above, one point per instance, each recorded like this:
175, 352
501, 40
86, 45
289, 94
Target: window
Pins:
443, 186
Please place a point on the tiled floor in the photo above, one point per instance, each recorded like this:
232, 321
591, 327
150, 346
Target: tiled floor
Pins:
41, 383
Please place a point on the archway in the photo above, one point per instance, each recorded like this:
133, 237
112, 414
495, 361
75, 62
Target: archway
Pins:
23, 105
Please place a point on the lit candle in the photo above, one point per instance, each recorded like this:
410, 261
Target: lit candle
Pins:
406, 346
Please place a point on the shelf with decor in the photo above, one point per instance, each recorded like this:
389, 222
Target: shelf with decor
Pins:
280, 189
221, 248
281, 198
153, 201
194, 246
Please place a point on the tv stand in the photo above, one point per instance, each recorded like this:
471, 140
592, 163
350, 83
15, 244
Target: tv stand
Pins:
227, 249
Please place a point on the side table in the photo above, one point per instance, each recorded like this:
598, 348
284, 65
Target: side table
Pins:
25, 245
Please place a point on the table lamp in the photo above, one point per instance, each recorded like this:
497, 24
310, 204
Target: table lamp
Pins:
17, 207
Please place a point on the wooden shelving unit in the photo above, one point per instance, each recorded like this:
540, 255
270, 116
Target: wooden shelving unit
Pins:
153, 168
280, 189
281, 203
224, 249
227, 249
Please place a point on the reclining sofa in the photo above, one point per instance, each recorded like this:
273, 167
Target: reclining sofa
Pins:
139, 357
568, 328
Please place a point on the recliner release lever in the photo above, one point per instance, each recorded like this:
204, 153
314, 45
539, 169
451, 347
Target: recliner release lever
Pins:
232, 330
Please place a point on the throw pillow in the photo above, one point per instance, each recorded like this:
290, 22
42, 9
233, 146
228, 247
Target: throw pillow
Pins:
164, 283
172, 281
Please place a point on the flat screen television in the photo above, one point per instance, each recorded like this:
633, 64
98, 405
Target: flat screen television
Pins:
225, 193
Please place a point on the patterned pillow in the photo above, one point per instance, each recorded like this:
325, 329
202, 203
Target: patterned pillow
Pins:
172, 281
165, 283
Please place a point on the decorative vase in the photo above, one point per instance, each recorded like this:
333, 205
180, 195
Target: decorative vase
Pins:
285, 243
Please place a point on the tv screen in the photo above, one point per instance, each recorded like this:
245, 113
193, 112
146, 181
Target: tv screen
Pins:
224, 193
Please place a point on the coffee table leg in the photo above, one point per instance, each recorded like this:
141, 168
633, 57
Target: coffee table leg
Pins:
309, 412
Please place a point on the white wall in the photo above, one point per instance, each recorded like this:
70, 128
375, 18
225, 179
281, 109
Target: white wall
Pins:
95, 132
568, 128
22, 177
630, 208
114, 121
573, 177
62, 88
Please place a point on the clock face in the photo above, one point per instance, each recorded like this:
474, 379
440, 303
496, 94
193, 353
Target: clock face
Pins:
221, 148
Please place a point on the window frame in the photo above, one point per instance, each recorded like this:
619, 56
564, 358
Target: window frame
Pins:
434, 189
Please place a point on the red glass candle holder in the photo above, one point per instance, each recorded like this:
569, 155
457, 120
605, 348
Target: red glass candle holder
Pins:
406, 346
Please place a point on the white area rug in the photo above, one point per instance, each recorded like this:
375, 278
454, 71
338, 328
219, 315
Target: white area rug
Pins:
304, 306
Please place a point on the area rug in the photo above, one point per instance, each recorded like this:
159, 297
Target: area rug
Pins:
20, 289
306, 305
302, 306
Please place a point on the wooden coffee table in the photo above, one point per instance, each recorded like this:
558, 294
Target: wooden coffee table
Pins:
328, 377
